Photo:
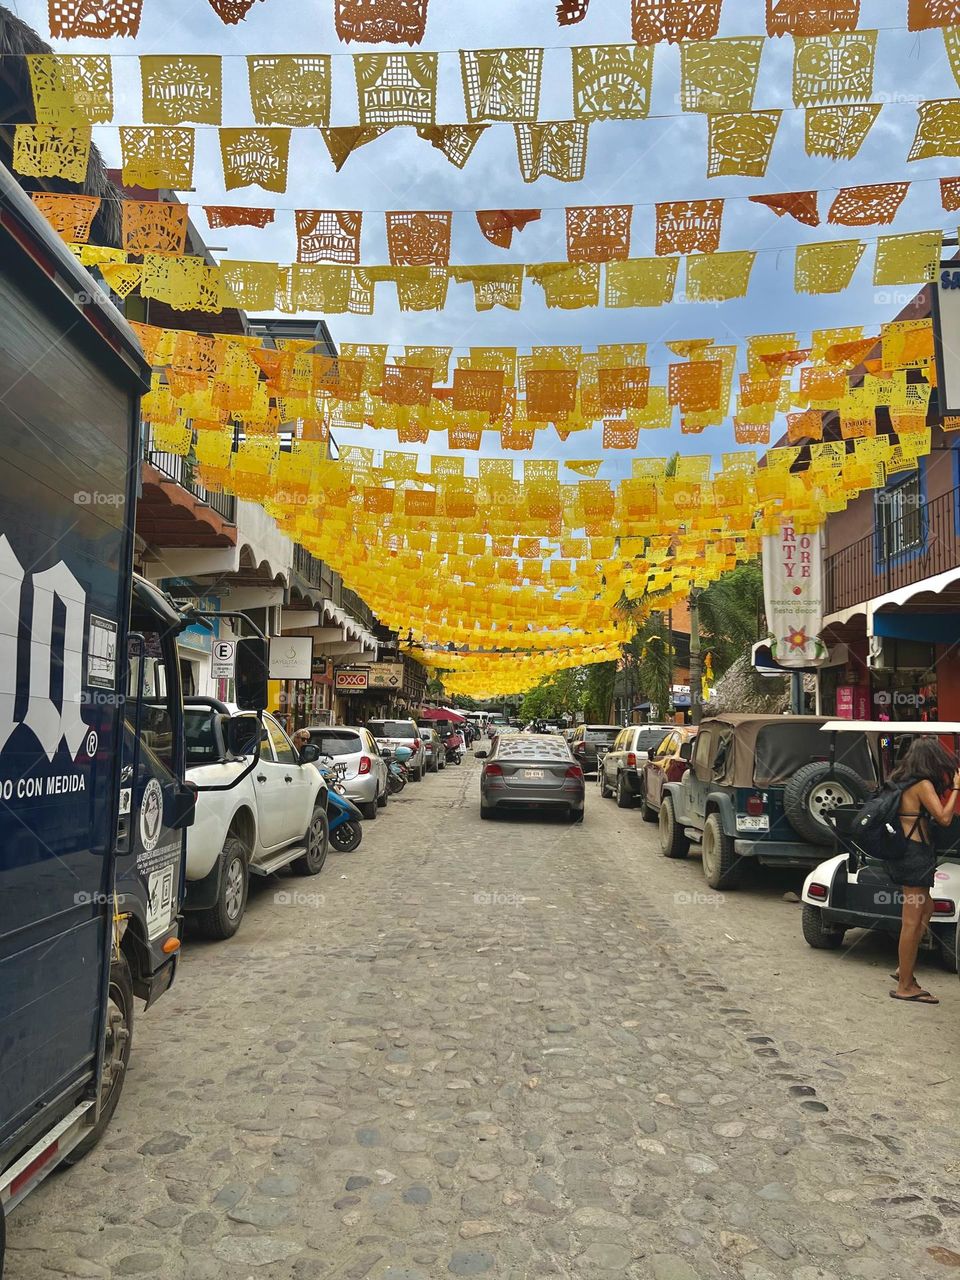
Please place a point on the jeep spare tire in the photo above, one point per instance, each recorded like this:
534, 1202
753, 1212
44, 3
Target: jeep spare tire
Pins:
813, 791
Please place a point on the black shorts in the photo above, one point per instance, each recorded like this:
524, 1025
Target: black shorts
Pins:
915, 866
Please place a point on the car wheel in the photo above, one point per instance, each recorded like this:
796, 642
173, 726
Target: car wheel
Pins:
317, 840
647, 812
816, 932
418, 776
369, 811
486, 813
605, 791
673, 843
813, 791
118, 1034
222, 920
945, 936
624, 798
383, 797
576, 815
720, 862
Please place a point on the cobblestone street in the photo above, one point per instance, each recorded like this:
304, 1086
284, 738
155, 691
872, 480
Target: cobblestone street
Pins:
518, 1049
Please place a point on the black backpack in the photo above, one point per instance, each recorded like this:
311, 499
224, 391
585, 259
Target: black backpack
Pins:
876, 829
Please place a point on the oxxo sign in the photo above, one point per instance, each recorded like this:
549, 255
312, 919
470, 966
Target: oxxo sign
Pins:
49, 724
351, 681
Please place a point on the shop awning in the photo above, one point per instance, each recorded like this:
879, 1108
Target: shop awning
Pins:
939, 582
766, 664
442, 713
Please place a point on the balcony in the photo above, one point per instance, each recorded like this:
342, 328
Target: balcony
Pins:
908, 543
175, 510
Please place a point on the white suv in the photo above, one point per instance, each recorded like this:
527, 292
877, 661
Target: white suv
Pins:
402, 733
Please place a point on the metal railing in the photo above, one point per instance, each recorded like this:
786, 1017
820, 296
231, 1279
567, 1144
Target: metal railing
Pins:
183, 471
314, 572
918, 542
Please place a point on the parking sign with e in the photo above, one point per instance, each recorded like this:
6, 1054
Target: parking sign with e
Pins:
222, 660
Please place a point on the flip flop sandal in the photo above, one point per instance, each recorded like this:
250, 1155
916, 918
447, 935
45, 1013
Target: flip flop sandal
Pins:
918, 997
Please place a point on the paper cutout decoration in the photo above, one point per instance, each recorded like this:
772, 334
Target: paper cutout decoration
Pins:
827, 267
719, 75
455, 141
343, 142
72, 18
619, 435
833, 68
396, 88
498, 225
805, 426
950, 194
739, 143
231, 12
598, 233
478, 389
419, 239
612, 81
328, 235
570, 12
869, 205
907, 259
153, 226
674, 20
689, 226
501, 84
938, 129
227, 215
181, 89
186, 284
811, 17
641, 282
154, 158
493, 286
422, 288
923, 15
557, 149
951, 44
52, 151
568, 285
251, 286
801, 205
255, 157
381, 21
71, 89
70, 216
551, 393
838, 132
715, 277
291, 89
695, 387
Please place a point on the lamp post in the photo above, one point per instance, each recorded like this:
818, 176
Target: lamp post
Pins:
696, 661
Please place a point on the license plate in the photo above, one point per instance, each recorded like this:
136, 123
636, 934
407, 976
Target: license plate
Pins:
533, 773
747, 822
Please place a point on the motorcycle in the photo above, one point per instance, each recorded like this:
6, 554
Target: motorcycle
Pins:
343, 816
453, 746
396, 770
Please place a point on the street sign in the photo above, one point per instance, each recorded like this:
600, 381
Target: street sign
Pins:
351, 681
223, 660
386, 675
291, 657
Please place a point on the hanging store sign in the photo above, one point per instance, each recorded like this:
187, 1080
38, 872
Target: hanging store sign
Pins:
291, 657
386, 675
351, 681
793, 596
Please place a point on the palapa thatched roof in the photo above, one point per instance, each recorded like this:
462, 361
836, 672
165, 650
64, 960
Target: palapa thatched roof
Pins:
16, 107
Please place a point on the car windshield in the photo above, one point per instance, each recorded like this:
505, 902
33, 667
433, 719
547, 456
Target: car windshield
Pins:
200, 732
392, 729
527, 749
782, 748
336, 744
601, 732
650, 738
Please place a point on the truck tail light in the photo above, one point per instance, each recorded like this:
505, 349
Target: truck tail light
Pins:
943, 907
755, 805
631, 759
364, 765
819, 891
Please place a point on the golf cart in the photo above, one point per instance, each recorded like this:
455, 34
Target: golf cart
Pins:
853, 891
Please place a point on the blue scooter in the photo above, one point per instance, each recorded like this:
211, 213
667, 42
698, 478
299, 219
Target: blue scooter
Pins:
343, 816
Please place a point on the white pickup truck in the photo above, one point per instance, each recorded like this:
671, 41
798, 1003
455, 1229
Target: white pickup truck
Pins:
273, 818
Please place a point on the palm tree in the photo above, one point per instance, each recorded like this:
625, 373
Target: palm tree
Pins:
729, 613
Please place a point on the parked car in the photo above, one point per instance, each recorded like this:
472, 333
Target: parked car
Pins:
274, 818
436, 756
759, 787
663, 764
402, 733
531, 771
618, 772
362, 766
587, 738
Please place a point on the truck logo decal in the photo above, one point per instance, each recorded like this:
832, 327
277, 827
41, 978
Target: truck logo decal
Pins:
49, 724
151, 814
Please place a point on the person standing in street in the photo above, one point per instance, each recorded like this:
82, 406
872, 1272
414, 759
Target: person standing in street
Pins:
927, 774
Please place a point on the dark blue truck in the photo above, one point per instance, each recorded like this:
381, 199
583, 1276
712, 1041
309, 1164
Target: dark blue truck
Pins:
93, 806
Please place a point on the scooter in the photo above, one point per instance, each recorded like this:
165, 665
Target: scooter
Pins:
343, 816
396, 770
453, 746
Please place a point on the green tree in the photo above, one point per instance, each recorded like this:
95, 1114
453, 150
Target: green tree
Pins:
599, 682
729, 613
555, 696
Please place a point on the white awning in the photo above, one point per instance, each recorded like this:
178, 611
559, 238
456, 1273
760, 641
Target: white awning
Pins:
939, 582
891, 726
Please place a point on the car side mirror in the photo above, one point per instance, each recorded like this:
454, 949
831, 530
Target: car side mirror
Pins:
309, 753
242, 733
250, 674
686, 751
180, 803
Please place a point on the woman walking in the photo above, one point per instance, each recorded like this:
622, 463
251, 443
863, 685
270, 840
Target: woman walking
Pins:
927, 773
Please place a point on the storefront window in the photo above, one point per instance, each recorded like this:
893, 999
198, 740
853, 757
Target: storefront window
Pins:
905, 695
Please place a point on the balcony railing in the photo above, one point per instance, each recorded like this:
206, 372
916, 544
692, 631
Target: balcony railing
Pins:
918, 542
183, 471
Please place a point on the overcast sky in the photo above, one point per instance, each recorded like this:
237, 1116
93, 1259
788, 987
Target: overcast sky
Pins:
628, 162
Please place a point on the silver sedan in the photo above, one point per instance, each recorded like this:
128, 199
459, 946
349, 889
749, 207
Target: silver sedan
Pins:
531, 771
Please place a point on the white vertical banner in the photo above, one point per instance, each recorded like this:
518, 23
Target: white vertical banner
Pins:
793, 596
